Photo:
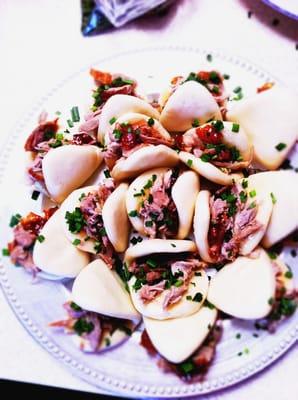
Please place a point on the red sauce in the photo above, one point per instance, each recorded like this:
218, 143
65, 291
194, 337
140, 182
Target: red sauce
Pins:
34, 222
204, 75
216, 236
100, 77
208, 134
83, 138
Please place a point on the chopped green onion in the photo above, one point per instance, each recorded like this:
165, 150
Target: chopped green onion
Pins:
35, 195
187, 367
280, 146
75, 115
83, 326
178, 283
252, 193
198, 297
117, 134
238, 335
205, 157
173, 245
235, 128
133, 213
237, 89
252, 205
218, 125
208, 304
198, 273
226, 76
243, 196
148, 223
75, 220
271, 301
273, 198
150, 122
14, 220
107, 173
289, 274
82, 196
75, 307
244, 183
215, 89
112, 120
189, 298
209, 57
189, 162
272, 255
40, 238
195, 123
107, 342
58, 113
70, 123
5, 252
59, 136
76, 242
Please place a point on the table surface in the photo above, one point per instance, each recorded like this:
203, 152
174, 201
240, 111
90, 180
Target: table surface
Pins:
40, 43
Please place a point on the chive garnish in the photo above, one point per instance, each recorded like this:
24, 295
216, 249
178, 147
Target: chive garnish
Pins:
112, 120
75, 115
150, 122
189, 163
273, 198
133, 213
235, 128
195, 123
40, 238
35, 195
5, 252
280, 146
14, 220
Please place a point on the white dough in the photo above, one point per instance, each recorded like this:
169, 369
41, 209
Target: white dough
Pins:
56, 255
177, 339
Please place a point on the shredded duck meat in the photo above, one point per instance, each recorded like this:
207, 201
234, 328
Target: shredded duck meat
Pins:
196, 366
90, 326
158, 210
233, 220
131, 137
157, 274
25, 234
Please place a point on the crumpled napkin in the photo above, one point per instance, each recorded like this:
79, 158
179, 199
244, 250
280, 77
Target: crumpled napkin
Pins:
99, 16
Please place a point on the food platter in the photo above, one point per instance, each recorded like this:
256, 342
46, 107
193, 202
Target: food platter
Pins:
128, 369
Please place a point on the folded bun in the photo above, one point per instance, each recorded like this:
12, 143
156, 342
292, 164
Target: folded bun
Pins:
216, 169
272, 138
177, 339
244, 287
159, 246
190, 101
67, 167
99, 289
144, 195
282, 187
56, 255
120, 104
251, 212
143, 159
114, 217
158, 307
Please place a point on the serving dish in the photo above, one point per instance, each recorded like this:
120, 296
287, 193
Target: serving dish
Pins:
137, 376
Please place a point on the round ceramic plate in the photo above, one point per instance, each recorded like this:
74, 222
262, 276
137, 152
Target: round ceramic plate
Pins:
286, 7
127, 369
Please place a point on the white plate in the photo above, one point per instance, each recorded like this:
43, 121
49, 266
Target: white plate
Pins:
128, 369
286, 7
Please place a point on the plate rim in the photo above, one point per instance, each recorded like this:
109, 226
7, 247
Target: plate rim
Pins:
281, 10
100, 380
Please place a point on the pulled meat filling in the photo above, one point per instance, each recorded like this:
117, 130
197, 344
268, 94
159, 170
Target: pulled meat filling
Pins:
196, 366
90, 326
87, 218
157, 208
164, 272
25, 234
127, 138
108, 86
284, 303
232, 221
206, 143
